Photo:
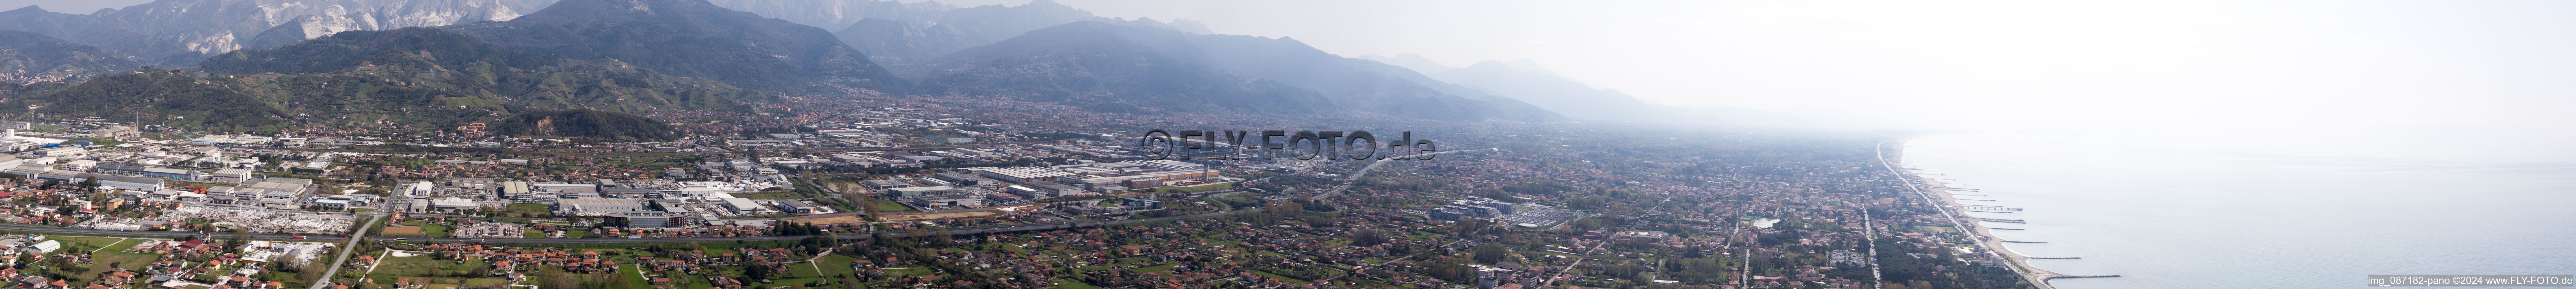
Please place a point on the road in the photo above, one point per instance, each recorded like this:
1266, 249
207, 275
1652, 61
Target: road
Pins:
345, 247
2035, 276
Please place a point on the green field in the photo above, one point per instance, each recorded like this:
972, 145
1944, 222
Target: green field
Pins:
803, 270
535, 234
484, 282
836, 265
128, 244
426, 230
87, 242
640, 281
529, 208
129, 261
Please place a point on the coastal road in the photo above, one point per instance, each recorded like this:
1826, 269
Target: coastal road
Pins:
1994, 251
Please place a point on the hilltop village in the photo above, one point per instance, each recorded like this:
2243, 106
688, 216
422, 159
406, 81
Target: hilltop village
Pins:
961, 193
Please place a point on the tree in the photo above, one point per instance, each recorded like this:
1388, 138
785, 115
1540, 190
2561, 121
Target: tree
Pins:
553, 277
1491, 252
1368, 237
756, 271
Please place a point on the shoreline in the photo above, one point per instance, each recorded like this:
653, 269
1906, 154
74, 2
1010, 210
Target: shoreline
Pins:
1986, 237
1995, 244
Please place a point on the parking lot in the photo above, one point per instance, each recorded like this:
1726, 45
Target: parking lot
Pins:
1544, 217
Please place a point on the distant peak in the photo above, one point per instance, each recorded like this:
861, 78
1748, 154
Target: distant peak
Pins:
1044, 3
1409, 56
626, 10
1191, 26
29, 8
1526, 64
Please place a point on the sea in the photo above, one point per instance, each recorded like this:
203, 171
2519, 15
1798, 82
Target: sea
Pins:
2200, 218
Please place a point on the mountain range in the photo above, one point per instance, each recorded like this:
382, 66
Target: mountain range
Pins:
182, 32
469, 59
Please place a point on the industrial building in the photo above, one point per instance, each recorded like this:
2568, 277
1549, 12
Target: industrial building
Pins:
652, 219
1024, 175
923, 191
1045, 189
597, 205
125, 182
963, 179
741, 205
232, 175
951, 200
795, 206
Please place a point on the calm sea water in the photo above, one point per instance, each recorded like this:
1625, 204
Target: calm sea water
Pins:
2167, 218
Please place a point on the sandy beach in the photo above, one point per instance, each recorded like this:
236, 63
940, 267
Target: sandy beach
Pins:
1987, 238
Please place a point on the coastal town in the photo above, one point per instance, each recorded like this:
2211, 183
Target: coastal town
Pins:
964, 193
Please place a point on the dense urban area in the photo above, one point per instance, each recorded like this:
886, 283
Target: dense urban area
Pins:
907, 193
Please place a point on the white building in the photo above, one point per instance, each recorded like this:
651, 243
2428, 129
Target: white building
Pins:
741, 205
233, 175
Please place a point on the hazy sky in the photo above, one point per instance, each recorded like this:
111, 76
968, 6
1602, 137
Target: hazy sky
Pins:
2457, 75
2465, 73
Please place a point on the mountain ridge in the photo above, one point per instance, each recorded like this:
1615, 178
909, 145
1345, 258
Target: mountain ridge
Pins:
180, 32
412, 75
1099, 70
32, 57
692, 38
